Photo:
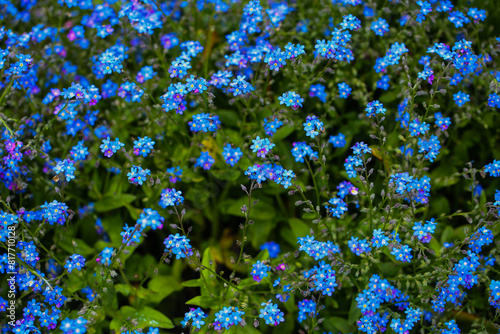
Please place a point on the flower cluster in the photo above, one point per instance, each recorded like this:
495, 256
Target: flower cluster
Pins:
301, 150
272, 172
317, 249
359, 247
271, 314
227, 317
171, 197
307, 308
338, 207
110, 147
277, 58
424, 232
151, 218
178, 245
204, 122
137, 175
375, 108
318, 91
143, 146
322, 278
194, 318
353, 161
261, 146
75, 261
55, 212
337, 48
291, 99
232, 155
313, 126
411, 188
429, 147
259, 271
205, 160
338, 140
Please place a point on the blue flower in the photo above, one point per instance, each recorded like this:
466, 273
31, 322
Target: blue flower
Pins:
344, 90
301, 150
313, 126
204, 122
271, 314
195, 316
109, 147
261, 146
375, 107
239, 86
131, 235
383, 83
152, 218
178, 245
461, 98
272, 247
205, 161
137, 175
307, 308
493, 168
55, 212
358, 247
67, 168
228, 316
318, 91
259, 271
291, 99
105, 256
380, 27
79, 152
338, 140
402, 253
379, 239
143, 146
171, 197
339, 207
272, 126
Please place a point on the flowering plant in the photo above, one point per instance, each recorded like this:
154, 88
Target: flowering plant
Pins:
249, 166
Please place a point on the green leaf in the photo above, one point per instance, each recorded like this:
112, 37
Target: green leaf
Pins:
161, 287
263, 210
111, 202
149, 317
447, 235
146, 317
192, 283
287, 234
337, 324
259, 233
228, 117
246, 282
299, 228
285, 327
202, 301
309, 215
81, 247
124, 289
75, 283
134, 212
208, 262
227, 175
115, 186
113, 225
354, 312
282, 133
